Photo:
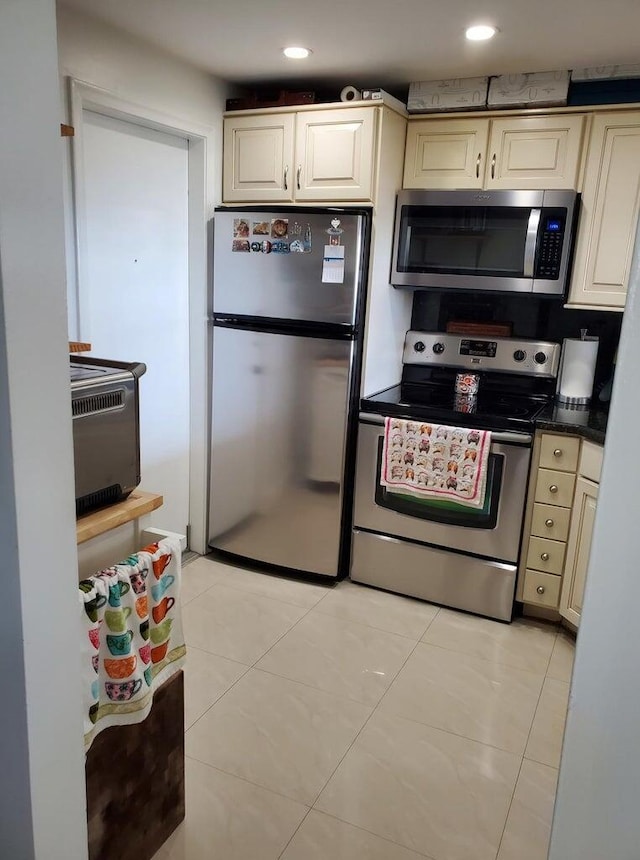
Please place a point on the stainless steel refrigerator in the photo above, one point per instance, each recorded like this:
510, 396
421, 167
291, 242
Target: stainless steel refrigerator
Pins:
288, 306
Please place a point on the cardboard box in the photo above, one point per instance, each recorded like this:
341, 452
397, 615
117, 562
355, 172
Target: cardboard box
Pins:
533, 89
605, 73
447, 95
377, 94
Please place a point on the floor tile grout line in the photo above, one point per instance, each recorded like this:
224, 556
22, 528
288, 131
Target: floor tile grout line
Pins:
511, 799
370, 833
535, 713
362, 728
311, 687
290, 840
226, 584
539, 674
250, 782
247, 669
372, 626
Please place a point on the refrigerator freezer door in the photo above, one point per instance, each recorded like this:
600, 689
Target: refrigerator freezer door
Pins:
274, 281
269, 502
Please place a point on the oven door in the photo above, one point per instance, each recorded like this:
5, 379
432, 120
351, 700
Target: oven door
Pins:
493, 532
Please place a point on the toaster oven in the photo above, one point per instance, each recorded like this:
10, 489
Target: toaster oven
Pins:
106, 430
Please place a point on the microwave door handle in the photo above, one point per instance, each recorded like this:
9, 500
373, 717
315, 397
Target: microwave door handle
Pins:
530, 244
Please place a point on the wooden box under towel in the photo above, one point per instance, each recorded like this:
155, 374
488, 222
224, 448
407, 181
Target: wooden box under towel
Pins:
135, 780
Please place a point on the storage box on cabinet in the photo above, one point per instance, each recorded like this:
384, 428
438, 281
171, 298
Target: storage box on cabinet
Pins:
515, 152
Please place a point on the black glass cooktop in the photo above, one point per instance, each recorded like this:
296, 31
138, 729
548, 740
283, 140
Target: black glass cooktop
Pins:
490, 411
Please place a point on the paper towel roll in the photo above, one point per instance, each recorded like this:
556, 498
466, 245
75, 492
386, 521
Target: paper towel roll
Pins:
350, 94
577, 370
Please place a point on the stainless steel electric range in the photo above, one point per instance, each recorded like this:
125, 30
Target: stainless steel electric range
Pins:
457, 556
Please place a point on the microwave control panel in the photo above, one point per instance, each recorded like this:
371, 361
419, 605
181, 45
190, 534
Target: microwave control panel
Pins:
550, 242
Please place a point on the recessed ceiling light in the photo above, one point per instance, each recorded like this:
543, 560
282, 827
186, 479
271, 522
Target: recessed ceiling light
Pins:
480, 32
296, 53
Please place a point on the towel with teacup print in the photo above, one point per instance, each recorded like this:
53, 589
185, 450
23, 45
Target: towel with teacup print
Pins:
132, 638
435, 461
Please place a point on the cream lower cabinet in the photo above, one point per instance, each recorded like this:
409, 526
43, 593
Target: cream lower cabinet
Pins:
518, 152
609, 212
559, 523
578, 550
301, 157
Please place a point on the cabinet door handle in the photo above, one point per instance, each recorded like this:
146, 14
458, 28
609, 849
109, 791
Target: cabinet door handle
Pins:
478, 159
540, 589
493, 166
549, 523
298, 172
544, 556
557, 452
286, 176
553, 488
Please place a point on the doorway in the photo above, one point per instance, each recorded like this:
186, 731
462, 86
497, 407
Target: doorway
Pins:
117, 123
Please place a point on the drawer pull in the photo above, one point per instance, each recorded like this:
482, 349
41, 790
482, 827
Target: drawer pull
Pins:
549, 523
557, 452
553, 488
544, 556
540, 589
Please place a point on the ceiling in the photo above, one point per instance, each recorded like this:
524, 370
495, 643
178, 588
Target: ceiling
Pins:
386, 43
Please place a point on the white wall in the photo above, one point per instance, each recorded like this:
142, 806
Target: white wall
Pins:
135, 71
152, 84
42, 791
596, 813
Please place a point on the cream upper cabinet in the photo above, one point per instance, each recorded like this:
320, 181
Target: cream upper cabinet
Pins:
578, 550
518, 152
335, 155
299, 157
258, 161
446, 153
609, 211
535, 152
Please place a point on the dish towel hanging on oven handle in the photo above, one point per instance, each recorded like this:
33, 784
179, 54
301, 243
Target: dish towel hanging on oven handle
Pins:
435, 461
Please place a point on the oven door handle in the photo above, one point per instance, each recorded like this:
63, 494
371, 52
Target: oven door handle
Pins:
502, 436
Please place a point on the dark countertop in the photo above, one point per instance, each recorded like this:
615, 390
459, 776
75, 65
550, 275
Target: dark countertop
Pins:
589, 423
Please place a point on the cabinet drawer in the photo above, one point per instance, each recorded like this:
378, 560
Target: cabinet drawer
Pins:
547, 555
559, 452
555, 488
541, 588
550, 521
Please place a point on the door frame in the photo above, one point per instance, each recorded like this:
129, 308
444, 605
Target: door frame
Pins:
84, 96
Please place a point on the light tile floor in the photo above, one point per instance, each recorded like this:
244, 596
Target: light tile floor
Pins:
343, 722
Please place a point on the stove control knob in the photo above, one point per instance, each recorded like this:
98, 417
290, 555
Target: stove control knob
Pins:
438, 348
419, 346
519, 355
540, 357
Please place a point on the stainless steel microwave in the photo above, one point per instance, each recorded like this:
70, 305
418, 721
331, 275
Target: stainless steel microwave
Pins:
504, 241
